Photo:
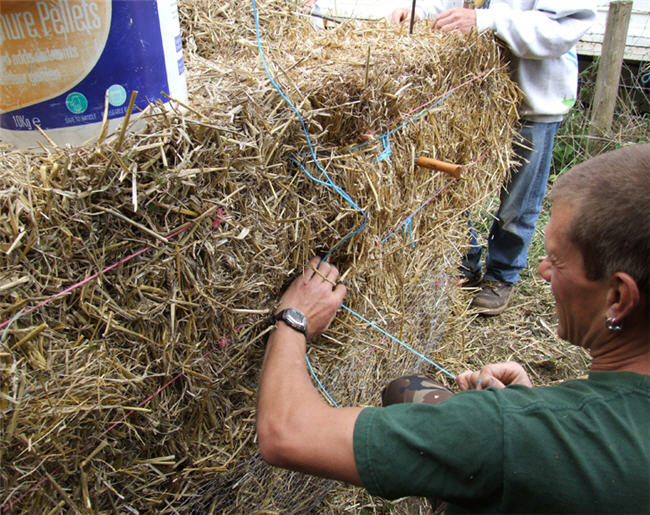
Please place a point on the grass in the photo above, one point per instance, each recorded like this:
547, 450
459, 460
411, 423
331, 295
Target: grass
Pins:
525, 332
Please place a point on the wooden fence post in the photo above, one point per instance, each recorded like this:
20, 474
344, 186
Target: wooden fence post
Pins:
609, 67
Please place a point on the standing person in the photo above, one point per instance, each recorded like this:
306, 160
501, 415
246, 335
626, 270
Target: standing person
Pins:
500, 445
541, 36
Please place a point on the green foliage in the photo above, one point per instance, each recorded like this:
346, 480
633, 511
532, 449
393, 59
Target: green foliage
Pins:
631, 123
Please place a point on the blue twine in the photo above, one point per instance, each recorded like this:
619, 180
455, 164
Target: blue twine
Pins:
356, 231
372, 324
384, 138
387, 152
408, 220
329, 183
645, 77
408, 228
421, 113
319, 383
389, 132
384, 155
15, 317
408, 347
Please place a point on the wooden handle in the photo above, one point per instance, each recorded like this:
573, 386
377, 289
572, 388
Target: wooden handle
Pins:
434, 164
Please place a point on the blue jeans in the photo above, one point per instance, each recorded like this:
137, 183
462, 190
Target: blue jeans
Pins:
520, 203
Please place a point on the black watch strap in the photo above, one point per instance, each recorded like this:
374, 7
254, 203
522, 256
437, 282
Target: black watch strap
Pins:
293, 318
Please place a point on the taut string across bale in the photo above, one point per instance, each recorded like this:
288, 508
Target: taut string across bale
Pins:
137, 278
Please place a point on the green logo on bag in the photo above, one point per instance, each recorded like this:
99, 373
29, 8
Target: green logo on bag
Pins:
116, 95
76, 103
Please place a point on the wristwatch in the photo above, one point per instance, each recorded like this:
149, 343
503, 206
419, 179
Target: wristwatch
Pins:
293, 318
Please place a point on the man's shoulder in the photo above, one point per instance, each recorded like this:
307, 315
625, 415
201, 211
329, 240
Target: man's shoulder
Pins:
573, 394
620, 393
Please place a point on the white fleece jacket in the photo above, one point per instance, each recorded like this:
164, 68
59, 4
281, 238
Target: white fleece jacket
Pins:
541, 35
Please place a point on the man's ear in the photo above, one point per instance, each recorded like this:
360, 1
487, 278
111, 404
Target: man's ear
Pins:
623, 296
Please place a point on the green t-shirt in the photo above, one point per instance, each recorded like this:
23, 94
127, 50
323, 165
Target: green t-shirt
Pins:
580, 446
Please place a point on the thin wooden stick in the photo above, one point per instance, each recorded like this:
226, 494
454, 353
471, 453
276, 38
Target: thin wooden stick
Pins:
412, 18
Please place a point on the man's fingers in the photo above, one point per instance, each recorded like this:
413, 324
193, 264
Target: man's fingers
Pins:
462, 20
497, 375
444, 25
322, 270
492, 382
463, 380
340, 290
400, 15
311, 269
487, 378
332, 274
440, 21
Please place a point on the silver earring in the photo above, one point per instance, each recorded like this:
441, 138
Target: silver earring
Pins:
612, 325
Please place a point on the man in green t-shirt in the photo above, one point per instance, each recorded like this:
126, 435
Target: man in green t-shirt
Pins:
499, 445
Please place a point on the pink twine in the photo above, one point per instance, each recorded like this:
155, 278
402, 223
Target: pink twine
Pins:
93, 276
442, 188
69, 289
225, 340
428, 103
218, 220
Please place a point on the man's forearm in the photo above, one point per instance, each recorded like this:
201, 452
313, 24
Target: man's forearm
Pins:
285, 388
296, 429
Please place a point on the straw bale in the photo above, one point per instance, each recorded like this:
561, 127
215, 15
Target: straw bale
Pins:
138, 275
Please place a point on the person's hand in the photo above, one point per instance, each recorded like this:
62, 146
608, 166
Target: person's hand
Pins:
498, 375
400, 16
308, 5
461, 19
316, 294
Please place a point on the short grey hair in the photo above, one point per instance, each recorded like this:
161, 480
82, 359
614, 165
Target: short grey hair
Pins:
610, 198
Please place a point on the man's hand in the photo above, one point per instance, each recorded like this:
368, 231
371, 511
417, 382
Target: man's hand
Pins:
498, 375
317, 294
400, 16
296, 429
308, 5
463, 20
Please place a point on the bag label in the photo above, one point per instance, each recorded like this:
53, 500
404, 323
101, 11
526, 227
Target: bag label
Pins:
60, 60
48, 47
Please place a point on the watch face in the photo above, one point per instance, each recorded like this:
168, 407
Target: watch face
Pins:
295, 319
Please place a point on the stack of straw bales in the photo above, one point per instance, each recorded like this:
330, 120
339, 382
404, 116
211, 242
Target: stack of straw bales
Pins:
137, 275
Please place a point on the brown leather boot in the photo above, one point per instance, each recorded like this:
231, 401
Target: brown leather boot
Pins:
493, 298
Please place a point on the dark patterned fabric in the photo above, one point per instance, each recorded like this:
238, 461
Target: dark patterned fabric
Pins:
414, 388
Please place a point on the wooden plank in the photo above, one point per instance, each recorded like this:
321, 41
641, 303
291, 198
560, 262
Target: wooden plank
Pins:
609, 67
637, 46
